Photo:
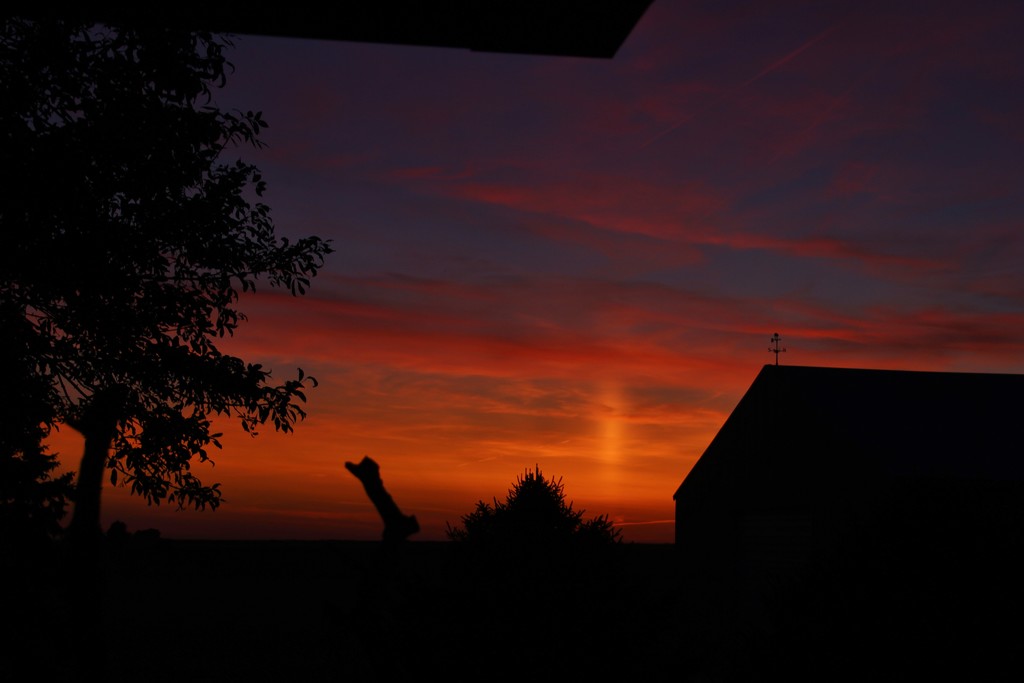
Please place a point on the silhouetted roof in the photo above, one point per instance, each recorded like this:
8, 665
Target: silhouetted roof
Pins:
578, 28
805, 430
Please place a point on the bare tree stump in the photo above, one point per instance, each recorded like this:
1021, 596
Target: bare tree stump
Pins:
397, 527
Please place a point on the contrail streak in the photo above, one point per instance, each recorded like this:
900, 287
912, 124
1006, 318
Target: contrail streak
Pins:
767, 70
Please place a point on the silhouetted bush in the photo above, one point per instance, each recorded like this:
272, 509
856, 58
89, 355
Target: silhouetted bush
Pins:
33, 495
534, 514
32, 500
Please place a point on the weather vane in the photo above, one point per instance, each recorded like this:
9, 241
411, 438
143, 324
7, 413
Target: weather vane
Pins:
775, 349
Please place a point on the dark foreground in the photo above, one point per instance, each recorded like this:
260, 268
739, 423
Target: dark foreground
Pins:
348, 611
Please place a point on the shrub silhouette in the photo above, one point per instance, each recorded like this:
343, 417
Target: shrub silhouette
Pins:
534, 514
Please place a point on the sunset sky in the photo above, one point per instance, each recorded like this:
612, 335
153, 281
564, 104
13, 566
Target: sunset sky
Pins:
577, 264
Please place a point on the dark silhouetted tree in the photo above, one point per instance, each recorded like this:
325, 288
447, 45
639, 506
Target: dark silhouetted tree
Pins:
33, 500
131, 232
534, 514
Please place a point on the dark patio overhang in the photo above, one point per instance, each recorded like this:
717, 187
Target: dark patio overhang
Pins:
547, 27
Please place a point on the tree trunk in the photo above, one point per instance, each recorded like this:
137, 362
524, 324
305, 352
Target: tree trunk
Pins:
98, 424
85, 520
86, 587
397, 527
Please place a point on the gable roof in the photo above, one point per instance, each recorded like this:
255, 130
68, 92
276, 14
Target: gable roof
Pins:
807, 430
